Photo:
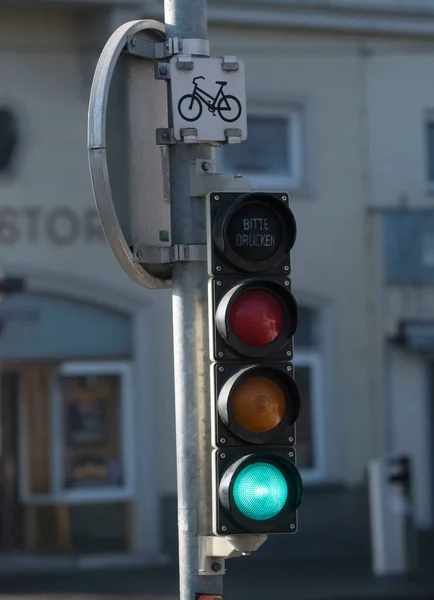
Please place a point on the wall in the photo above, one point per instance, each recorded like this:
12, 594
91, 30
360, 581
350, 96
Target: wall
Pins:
399, 94
50, 225
325, 73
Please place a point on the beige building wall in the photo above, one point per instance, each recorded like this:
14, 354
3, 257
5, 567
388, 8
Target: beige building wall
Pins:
50, 224
340, 89
326, 75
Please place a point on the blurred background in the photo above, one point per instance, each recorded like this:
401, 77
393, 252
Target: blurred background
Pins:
341, 115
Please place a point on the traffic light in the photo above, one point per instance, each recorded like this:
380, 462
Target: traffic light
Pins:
255, 400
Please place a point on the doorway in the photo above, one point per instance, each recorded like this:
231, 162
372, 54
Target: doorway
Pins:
11, 510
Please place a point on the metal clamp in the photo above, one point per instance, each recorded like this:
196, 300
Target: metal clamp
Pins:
230, 63
213, 550
204, 177
233, 136
160, 255
184, 62
165, 137
192, 46
159, 50
189, 135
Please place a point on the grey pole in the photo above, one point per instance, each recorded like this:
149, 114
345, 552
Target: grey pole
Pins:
187, 19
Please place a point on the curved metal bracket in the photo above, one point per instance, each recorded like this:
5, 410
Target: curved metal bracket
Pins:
96, 145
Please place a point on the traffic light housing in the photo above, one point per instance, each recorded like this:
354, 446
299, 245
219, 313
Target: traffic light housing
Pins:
255, 400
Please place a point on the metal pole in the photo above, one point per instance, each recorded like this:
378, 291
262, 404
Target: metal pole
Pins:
187, 19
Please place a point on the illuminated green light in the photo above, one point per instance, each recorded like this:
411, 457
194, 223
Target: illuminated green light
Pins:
260, 491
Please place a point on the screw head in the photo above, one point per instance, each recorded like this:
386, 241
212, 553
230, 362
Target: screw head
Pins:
206, 166
220, 355
218, 282
163, 70
286, 268
290, 439
133, 42
222, 455
224, 528
221, 369
286, 283
284, 198
165, 135
218, 268
222, 440
216, 567
216, 198
289, 368
291, 455
292, 526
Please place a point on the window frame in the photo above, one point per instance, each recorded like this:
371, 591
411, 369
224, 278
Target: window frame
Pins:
312, 360
428, 121
8, 173
294, 179
58, 493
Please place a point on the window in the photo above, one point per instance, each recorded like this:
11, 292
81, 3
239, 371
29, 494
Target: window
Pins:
84, 443
308, 375
91, 407
271, 157
8, 139
94, 434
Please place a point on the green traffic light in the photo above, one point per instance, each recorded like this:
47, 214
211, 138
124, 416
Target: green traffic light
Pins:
260, 491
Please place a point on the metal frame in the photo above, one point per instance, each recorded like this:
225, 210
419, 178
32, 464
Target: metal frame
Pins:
97, 151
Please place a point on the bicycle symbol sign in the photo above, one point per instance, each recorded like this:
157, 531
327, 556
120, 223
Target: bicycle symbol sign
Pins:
227, 107
208, 100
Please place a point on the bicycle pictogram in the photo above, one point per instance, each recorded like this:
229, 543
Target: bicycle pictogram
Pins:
228, 107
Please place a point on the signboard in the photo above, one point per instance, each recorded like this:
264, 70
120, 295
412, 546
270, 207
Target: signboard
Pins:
208, 95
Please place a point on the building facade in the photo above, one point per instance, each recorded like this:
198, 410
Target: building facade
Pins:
341, 116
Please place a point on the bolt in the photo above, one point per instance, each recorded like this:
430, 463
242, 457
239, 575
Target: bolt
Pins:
284, 198
163, 70
206, 166
292, 526
220, 355
133, 42
216, 567
222, 455
216, 197
286, 268
218, 268
221, 369
286, 283
224, 528
222, 440
165, 135
218, 282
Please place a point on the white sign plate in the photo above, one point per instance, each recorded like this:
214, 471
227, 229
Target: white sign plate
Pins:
208, 98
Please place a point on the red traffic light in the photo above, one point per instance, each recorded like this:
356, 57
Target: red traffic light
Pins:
256, 318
